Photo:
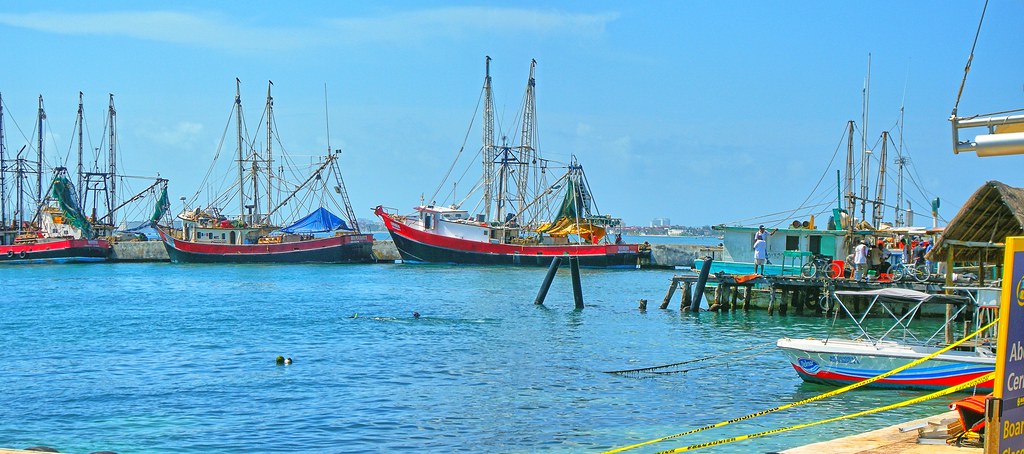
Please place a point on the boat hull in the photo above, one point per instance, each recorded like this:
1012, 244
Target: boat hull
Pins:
840, 363
59, 251
417, 246
337, 249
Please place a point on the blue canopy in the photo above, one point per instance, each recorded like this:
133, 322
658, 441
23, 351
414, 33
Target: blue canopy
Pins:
320, 220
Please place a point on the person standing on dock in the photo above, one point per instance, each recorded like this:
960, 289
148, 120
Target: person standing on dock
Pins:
860, 260
760, 254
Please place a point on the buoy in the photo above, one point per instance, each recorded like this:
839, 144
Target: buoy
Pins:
279, 360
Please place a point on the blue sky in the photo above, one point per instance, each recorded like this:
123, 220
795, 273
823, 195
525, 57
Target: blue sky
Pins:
703, 112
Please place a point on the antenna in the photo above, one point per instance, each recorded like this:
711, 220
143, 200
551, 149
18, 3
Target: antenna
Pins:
327, 119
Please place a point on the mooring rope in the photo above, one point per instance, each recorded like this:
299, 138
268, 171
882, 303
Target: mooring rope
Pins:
689, 361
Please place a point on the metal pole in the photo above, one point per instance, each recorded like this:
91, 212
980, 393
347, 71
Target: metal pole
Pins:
552, 270
702, 280
577, 288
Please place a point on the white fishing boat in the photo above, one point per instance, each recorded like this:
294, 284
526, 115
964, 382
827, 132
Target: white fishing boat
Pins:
833, 361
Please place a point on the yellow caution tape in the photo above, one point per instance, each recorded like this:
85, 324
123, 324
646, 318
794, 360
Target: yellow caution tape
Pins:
810, 399
950, 390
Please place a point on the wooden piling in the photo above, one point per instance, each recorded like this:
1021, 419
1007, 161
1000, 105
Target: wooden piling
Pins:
687, 299
671, 291
735, 297
748, 290
783, 305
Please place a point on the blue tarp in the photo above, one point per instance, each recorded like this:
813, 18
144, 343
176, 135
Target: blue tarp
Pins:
320, 220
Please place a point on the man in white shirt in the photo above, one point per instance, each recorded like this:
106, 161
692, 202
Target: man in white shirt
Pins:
860, 260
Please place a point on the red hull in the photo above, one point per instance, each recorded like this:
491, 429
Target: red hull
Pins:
336, 249
418, 246
56, 251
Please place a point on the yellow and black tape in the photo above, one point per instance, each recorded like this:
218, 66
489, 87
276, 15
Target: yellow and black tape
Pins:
950, 390
810, 399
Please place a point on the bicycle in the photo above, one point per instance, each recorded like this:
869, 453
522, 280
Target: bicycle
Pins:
821, 266
902, 270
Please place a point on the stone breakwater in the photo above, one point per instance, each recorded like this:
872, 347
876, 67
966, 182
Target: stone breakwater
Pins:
154, 251
662, 255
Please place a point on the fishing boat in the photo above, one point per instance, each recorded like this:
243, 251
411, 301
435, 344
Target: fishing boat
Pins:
37, 225
833, 361
265, 197
518, 218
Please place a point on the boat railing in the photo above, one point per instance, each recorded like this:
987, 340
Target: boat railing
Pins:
901, 323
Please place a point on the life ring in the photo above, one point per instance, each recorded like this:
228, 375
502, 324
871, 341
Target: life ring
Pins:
21, 254
10, 253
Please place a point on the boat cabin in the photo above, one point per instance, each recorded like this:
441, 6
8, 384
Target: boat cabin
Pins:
453, 222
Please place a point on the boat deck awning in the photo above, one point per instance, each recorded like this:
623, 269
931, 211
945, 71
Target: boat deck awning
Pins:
905, 295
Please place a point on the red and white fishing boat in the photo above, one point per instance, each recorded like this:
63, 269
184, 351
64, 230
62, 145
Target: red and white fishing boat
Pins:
840, 362
253, 235
520, 218
42, 223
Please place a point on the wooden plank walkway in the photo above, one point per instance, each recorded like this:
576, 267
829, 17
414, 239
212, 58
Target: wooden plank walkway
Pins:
887, 441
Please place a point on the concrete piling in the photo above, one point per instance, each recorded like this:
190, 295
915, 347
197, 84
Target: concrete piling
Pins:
702, 280
552, 270
577, 287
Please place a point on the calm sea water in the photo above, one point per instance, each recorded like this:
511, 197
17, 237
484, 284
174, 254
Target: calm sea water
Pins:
143, 358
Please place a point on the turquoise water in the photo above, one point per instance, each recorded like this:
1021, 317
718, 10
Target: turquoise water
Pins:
143, 358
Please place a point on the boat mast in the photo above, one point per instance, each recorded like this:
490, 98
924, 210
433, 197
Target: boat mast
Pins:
241, 162
879, 206
864, 152
78, 124
851, 198
39, 154
489, 150
112, 160
19, 184
270, 161
3, 171
527, 154
900, 163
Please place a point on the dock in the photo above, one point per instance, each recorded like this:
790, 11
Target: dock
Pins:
921, 436
777, 293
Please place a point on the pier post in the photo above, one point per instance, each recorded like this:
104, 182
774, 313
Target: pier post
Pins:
800, 300
817, 301
577, 288
747, 290
716, 300
783, 305
687, 299
702, 280
552, 270
735, 297
671, 291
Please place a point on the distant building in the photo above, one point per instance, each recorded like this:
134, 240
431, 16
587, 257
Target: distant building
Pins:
661, 222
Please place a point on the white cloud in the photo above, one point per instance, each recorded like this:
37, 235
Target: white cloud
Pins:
183, 135
163, 26
222, 32
416, 26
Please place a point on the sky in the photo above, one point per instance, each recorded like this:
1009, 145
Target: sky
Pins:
702, 112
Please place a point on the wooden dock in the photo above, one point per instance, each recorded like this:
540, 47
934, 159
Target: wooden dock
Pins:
780, 293
906, 438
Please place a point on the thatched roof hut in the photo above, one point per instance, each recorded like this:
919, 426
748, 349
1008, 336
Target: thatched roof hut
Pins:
977, 233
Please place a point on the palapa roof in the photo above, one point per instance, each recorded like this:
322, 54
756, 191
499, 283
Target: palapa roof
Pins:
977, 233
